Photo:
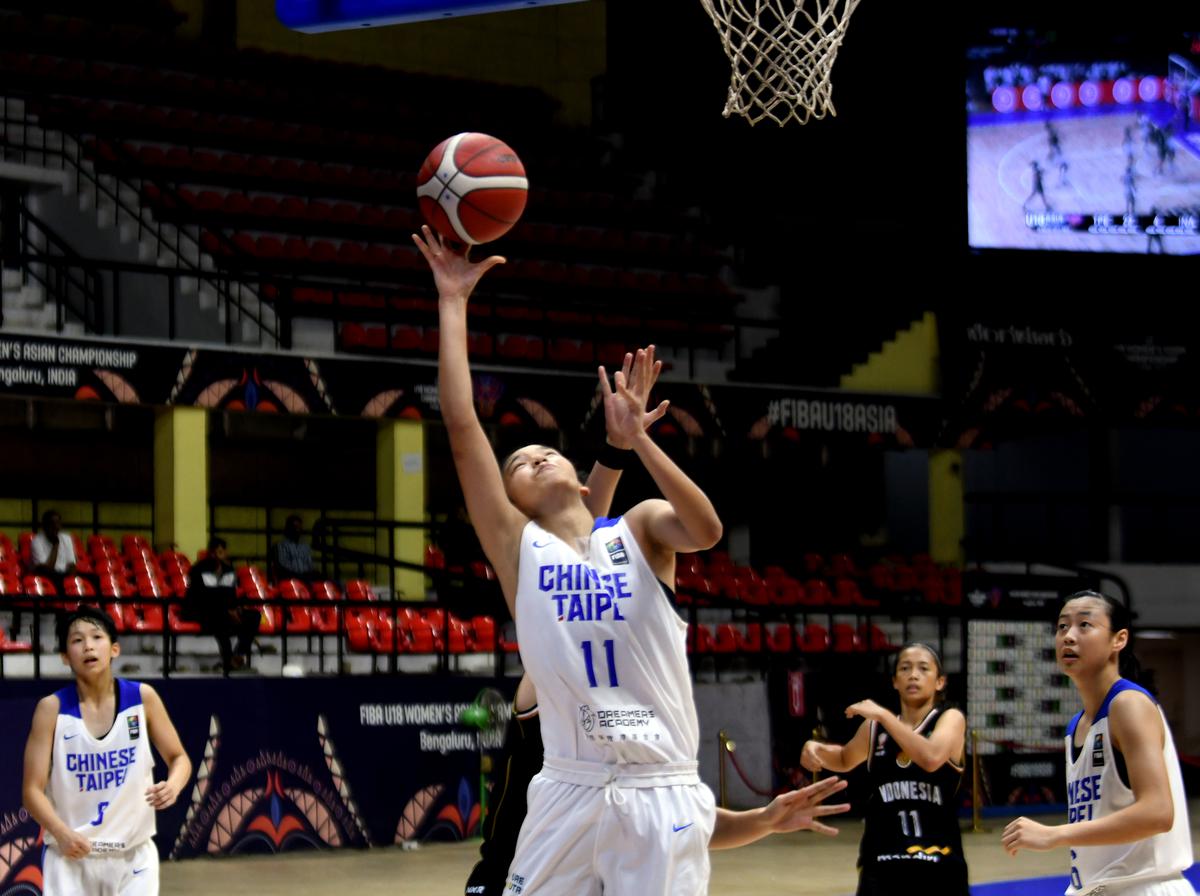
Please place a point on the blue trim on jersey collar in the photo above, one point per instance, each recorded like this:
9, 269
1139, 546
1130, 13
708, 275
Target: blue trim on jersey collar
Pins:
1120, 685
68, 701
603, 522
1071, 725
129, 693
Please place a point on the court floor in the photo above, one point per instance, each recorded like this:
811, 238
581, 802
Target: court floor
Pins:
796, 864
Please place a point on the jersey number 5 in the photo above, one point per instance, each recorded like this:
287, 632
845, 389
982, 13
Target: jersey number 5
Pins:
591, 667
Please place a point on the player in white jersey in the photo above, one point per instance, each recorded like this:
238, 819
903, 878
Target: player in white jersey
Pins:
618, 807
89, 772
1127, 823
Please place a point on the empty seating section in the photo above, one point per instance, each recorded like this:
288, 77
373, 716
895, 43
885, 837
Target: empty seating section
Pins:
781, 611
821, 605
311, 195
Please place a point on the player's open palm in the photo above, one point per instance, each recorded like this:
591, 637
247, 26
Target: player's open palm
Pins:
625, 414
800, 809
453, 272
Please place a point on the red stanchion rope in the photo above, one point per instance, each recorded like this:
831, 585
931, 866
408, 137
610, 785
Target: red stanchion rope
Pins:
741, 774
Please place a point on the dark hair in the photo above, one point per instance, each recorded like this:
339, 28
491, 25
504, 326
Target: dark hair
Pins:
911, 644
293, 516
86, 614
216, 542
1119, 617
48, 516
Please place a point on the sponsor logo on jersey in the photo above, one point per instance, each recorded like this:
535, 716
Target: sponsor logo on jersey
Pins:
880, 744
134, 726
681, 827
616, 551
902, 760
1098, 750
587, 718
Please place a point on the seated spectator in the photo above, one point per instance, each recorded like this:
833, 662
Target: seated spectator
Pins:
212, 601
53, 550
292, 558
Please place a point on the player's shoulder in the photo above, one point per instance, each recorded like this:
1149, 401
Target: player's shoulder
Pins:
949, 714
1133, 702
49, 703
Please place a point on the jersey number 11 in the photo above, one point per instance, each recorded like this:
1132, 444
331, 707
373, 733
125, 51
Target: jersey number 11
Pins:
591, 667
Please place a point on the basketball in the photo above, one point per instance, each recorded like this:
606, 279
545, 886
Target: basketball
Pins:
472, 188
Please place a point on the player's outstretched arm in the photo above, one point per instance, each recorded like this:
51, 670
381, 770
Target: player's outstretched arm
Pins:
166, 740
497, 523
817, 756
798, 810
38, 749
641, 372
686, 520
1137, 730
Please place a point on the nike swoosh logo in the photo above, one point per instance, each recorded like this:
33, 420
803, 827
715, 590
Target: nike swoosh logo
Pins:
681, 827
546, 545
138, 870
69, 736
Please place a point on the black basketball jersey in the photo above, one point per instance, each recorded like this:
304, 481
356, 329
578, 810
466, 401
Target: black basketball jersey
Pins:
912, 828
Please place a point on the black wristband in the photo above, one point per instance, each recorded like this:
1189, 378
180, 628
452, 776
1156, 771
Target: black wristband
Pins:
613, 457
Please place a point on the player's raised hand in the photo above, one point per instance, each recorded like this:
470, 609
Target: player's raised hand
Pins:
800, 809
868, 709
625, 416
162, 794
453, 271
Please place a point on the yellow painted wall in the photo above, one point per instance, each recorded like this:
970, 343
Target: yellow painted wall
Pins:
947, 512
181, 479
557, 48
400, 495
906, 364
112, 518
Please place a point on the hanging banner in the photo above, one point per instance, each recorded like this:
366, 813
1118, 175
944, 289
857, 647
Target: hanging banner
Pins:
570, 402
284, 764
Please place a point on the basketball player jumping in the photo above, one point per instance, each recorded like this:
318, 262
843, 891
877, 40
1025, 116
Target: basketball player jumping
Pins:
89, 772
522, 757
1127, 816
618, 806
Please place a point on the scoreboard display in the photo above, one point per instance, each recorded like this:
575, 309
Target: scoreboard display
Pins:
1017, 699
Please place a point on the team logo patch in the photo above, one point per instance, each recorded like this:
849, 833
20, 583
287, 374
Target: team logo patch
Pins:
616, 551
879, 744
587, 719
134, 726
902, 760
1098, 750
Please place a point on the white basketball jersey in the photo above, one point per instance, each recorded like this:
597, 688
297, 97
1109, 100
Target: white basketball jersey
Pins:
605, 649
98, 786
1095, 789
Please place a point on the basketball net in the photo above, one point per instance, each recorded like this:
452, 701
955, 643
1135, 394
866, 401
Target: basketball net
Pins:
782, 54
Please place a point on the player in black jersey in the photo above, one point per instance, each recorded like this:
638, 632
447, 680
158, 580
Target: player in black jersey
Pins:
912, 841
